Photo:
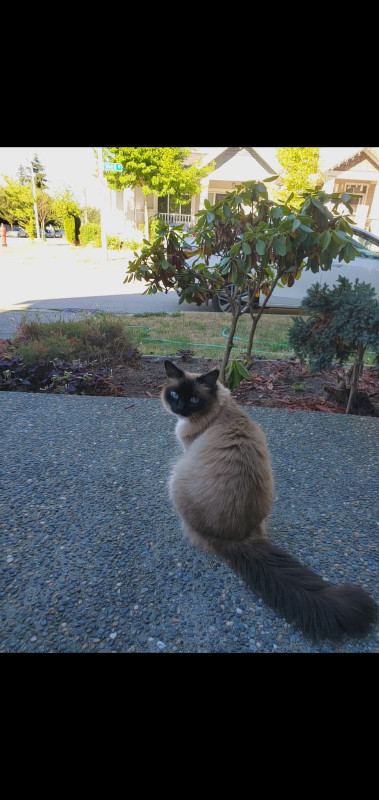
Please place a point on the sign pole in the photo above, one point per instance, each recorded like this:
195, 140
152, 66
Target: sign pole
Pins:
35, 201
103, 186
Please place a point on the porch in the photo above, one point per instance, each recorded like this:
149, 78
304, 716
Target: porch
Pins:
177, 219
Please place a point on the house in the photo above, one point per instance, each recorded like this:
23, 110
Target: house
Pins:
357, 174
124, 214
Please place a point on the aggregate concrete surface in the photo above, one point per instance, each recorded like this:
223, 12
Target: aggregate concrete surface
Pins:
93, 559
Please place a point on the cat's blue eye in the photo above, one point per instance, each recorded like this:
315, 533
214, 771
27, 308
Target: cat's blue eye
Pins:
174, 395
194, 400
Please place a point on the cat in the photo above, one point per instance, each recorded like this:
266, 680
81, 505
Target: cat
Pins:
223, 489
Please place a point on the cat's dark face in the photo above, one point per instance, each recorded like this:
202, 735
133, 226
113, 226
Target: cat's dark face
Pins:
187, 394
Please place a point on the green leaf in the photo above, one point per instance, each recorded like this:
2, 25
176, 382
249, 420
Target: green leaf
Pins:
345, 197
207, 204
233, 250
260, 247
280, 246
325, 240
166, 265
277, 213
318, 205
246, 248
226, 210
242, 371
296, 225
210, 216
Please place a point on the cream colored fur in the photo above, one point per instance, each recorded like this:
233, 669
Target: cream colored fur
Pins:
223, 485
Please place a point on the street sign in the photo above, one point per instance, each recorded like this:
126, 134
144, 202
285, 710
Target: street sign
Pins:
109, 167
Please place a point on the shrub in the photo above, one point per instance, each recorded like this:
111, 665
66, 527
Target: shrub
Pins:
341, 322
69, 229
114, 243
154, 223
90, 233
101, 337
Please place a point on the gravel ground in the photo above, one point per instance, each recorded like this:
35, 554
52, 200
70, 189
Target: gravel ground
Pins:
93, 559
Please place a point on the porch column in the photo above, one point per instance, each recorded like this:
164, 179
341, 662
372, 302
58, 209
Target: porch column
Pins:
374, 211
204, 192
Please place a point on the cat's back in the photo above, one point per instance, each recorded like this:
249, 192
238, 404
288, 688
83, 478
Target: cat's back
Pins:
225, 474
232, 432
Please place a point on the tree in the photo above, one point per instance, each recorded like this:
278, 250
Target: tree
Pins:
156, 170
300, 171
16, 204
45, 208
93, 215
24, 174
340, 322
256, 243
67, 207
39, 173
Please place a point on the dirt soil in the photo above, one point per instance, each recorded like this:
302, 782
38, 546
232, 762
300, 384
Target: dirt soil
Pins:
274, 384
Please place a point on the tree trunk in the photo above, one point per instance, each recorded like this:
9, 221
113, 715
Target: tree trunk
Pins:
146, 213
256, 318
77, 230
236, 313
355, 374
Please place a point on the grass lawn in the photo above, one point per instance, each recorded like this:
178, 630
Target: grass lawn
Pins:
205, 334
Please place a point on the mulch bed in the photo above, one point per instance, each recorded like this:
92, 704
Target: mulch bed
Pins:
282, 383
275, 384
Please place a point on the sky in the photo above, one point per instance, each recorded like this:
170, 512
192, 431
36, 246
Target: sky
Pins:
70, 167
73, 167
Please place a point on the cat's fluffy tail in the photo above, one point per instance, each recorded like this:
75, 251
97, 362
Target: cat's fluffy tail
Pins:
319, 609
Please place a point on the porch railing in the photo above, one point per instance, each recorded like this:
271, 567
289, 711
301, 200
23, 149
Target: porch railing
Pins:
177, 219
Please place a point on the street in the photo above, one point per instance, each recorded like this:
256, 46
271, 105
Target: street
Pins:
56, 275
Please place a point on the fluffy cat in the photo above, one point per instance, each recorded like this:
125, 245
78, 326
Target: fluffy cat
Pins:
223, 489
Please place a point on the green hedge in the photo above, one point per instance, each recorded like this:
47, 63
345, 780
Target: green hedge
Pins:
69, 229
90, 234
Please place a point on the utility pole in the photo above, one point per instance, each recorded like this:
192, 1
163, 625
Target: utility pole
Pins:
35, 201
103, 186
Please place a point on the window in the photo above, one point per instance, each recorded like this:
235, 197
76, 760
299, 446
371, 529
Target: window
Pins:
360, 190
214, 197
168, 205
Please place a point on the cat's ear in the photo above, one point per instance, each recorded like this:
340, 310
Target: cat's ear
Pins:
172, 371
210, 378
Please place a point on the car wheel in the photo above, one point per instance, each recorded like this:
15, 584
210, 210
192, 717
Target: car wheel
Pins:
221, 301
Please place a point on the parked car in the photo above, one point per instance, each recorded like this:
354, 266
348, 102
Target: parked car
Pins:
365, 267
49, 233
59, 234
17, 233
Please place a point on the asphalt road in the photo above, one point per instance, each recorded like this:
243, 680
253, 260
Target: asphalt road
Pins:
93, 558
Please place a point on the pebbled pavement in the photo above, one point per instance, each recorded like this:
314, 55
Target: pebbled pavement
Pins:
93, 559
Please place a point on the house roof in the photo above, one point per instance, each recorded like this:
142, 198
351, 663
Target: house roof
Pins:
247, 164
358, 154
233, 163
